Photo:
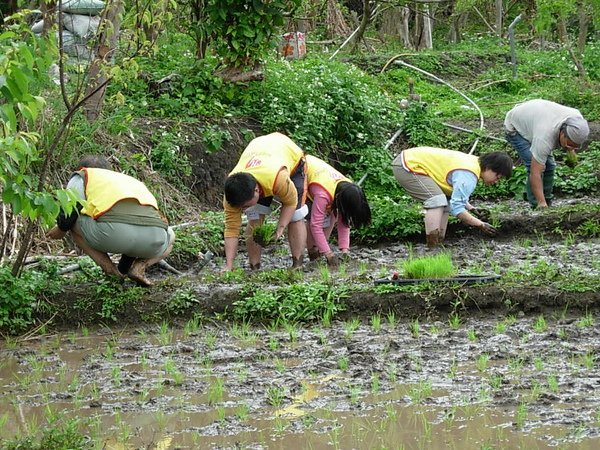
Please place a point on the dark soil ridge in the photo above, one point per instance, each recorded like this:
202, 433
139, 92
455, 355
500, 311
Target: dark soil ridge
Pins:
435, 303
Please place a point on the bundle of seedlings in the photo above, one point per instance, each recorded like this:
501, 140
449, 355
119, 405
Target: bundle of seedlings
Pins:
264, 235
434, 266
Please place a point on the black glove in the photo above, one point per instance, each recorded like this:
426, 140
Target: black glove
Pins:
488, 229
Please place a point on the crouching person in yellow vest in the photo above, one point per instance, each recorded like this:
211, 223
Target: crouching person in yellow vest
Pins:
444, 180
271, 166
118, 214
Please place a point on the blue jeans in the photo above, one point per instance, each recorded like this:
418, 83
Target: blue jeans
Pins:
523, 149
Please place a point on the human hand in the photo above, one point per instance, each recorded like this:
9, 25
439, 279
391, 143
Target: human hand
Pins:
332, 260
481, 213
488, 229
313, 254
56, 233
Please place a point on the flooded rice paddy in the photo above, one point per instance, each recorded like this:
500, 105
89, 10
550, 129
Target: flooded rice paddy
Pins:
486, 382
506, 369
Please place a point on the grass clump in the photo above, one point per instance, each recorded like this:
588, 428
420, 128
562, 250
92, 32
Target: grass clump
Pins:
434, 266
264, 234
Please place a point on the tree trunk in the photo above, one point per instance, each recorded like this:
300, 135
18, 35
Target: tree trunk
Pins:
499, 16
404, 30
335, 22
423, 28
108, 37
584, 15
564, 38
366, 17
48, 9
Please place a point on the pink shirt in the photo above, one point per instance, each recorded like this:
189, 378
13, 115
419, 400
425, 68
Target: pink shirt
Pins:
318, 213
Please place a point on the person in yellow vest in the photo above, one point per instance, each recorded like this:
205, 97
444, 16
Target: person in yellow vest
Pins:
333, 200
271, 166
119, 215
444, 180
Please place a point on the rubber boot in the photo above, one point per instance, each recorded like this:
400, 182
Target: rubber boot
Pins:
548, 183
528, 195
433, 239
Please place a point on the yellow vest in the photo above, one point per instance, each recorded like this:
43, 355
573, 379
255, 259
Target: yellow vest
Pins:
322, 174
265, 156
439, 163
104, 188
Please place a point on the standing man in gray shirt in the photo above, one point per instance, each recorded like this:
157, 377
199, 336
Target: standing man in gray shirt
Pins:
535, 128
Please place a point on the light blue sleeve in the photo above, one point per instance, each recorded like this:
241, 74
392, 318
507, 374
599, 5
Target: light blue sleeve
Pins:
76, 184
463, 184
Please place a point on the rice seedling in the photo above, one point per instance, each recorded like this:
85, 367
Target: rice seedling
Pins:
454, 320
324, 274
536, 390
292, 331
115, 375
482, 362
538, 363
308, 421
279, 364
376, 322
192, 325
453, 369
392, 372
264, 234
275, 396
109, 351
354, 393
242, 373
242, 412
520, 415
351, 326
495, 381
210, 339
552, 382
484, 394
273, 343
415, 328
472, 335
220, 414
161, 420
434, 329
586, 321
165, 335
343, 363
390, 412
434, 266
421, 391
540, 324
500, 327
362, 268
374, 383
216, 390
587, 360
391, 319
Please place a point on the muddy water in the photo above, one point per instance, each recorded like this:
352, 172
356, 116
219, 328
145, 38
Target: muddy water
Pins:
486, 382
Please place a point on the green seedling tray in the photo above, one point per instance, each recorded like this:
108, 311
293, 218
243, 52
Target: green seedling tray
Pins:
462, 279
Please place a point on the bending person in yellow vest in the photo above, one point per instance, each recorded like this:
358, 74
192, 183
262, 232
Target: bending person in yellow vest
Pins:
333, 200
118, 214
270, 166
444, 180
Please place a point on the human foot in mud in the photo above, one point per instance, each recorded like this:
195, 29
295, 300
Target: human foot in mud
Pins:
138, 274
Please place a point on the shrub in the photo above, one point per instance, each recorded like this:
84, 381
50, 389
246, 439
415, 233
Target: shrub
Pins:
21, 296
299, 302
327, 105
391, 220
